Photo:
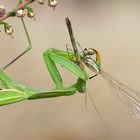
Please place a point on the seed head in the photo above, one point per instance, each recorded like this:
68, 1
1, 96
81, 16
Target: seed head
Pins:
41, 1
52, 3
2, 11
9, 30
31, 14
20, 13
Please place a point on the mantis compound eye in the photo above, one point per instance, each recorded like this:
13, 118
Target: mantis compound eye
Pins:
88, 51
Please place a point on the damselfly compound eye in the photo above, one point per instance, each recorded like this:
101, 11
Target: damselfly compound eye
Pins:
2, 11
41, 1
20, 13
91, 52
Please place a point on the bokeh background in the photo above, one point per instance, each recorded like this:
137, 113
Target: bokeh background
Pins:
110, 26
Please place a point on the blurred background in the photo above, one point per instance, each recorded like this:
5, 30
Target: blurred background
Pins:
110, 26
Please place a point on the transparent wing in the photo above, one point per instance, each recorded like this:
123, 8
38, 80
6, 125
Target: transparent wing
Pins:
127, 95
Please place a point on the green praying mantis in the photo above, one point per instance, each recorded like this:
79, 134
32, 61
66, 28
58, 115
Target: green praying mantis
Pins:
77, 63
12, 92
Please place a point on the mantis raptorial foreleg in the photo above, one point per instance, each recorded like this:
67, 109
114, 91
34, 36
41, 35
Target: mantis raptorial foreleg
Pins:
52, 56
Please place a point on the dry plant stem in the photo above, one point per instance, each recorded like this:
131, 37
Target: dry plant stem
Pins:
22, 5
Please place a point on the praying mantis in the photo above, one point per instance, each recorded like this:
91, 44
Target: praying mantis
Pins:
12, 92
78, 64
